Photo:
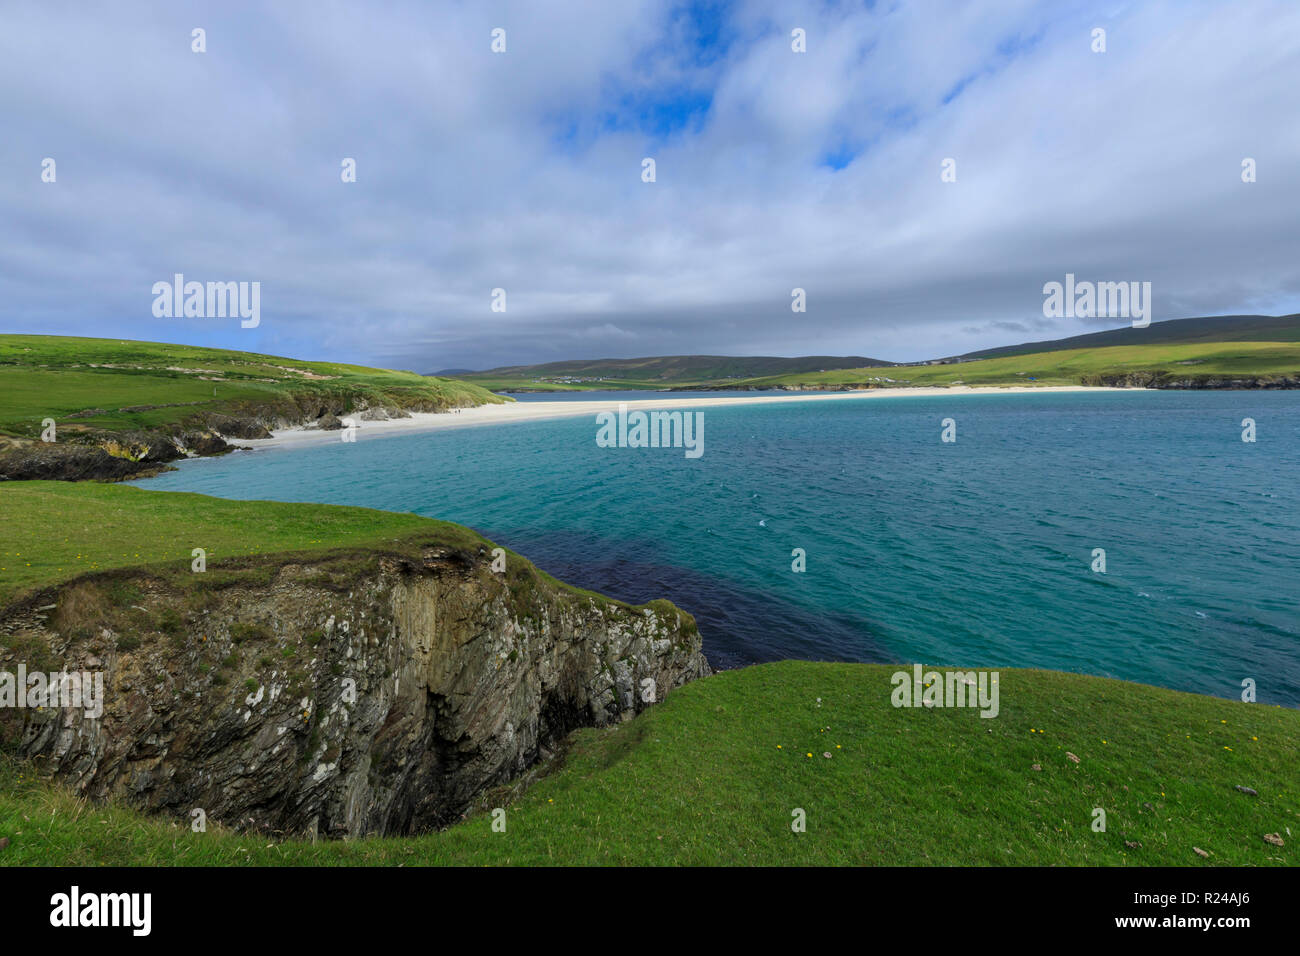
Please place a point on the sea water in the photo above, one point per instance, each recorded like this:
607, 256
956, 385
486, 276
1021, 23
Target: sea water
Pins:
978, 552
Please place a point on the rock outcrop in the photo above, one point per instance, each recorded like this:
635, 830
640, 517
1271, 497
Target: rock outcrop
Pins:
1181, 380
103, 456
351, 694
84, 453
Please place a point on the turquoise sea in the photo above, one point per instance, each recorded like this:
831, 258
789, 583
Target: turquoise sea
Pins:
972, 553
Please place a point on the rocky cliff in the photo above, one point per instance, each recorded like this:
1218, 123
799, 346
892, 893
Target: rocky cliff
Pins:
341, 695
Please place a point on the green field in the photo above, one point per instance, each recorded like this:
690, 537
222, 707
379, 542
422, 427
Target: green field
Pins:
1073, 366
55, 531
712, 774
56, 376
1206, 330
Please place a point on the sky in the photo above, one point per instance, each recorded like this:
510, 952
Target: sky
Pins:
522, 171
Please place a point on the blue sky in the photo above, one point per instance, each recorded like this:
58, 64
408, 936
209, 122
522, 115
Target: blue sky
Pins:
522, 170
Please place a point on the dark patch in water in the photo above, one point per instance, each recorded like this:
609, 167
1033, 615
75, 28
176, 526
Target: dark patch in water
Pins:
740, 625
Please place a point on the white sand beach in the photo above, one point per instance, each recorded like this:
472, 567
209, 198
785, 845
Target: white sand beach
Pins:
511, 412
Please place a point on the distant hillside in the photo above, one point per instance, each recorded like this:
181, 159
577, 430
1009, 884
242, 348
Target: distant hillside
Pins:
1215, 328
1224, 351
663, 371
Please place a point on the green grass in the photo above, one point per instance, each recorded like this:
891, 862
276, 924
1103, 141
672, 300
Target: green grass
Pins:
56, 376
711, 776
1193, 331
55, 531
1072, 366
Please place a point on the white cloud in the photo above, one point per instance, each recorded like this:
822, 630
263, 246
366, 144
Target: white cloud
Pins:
522, 171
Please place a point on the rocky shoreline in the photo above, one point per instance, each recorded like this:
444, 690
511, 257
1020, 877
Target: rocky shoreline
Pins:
1172, 380
84, 453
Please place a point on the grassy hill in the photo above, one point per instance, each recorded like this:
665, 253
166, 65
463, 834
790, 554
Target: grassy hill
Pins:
712, 774
1206, 330
661, 372
116, 385
124, 409
1192, 349
1074, 366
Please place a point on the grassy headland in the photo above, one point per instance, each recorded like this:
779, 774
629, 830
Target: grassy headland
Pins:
122, 408
712, 774
58, 531
116, 385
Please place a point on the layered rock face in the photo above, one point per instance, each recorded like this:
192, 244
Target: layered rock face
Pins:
360, 694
